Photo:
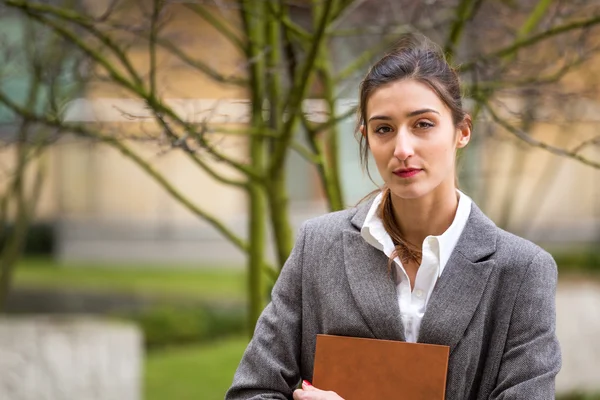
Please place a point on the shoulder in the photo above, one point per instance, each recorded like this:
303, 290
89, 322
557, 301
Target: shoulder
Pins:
333, 223
322, 236
525, 259
326, 232
511, 245
509, 250
516, 246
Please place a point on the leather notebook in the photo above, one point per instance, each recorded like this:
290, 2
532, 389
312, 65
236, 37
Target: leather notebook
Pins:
373, 369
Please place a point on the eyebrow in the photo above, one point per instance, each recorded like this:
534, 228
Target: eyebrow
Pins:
408, 115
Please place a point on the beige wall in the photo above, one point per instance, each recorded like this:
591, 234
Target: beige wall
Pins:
95, 182
551, 196
100, 182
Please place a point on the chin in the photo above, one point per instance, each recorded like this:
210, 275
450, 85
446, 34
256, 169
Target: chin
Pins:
409, 192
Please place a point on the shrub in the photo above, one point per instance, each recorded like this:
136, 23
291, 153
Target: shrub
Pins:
168, 325
40, 238
579, 396
580, 260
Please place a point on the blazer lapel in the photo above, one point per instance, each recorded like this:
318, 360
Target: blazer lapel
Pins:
371, 284
458, 291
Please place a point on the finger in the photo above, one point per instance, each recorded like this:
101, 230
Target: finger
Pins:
301, 394
306, 385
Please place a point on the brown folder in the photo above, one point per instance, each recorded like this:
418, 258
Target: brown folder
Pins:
372, 369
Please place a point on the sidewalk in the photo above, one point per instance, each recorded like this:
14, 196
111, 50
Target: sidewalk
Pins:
578, 329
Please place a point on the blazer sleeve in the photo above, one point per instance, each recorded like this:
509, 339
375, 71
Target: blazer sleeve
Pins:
270, 367
532, 356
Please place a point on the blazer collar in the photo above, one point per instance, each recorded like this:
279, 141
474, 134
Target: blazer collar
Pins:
455, 297
477, 241
359, 213
460, 288
372, 286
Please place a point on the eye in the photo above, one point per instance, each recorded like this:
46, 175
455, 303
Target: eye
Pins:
382, 130
424, 125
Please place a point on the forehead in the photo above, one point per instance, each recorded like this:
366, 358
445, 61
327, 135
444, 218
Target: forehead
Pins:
402, 97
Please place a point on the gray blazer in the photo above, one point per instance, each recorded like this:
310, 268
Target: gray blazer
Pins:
494, 305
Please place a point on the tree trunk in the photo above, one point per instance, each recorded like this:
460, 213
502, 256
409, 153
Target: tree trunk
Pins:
15, 240
253, 15
332, 182
256, 238
280, 221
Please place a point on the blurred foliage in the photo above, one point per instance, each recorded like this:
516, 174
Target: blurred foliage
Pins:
172, 305
168, 325
40, 239
579, 396
212, 283
578, 260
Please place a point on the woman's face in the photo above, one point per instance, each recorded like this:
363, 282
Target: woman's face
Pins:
412, 138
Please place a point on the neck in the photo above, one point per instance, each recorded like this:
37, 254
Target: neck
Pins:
428, 215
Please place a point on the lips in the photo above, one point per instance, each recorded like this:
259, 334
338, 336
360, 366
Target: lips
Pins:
407, 172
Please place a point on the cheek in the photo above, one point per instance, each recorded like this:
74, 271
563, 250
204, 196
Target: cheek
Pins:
382, 156
440, 154
378, 157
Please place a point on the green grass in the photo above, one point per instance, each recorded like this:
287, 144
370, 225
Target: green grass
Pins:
580, 396
201, 371
206, 371
193, 372
165, 281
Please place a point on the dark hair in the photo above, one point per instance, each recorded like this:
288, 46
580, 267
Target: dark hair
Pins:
411, 58
421, 60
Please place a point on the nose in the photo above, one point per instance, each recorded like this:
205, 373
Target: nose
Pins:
404, 146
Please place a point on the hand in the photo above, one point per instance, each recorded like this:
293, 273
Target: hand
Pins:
309, 392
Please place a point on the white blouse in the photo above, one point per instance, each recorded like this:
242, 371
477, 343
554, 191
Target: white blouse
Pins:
436, 252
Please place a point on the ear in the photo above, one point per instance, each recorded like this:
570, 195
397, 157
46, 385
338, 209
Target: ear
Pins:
464, 132
363, 130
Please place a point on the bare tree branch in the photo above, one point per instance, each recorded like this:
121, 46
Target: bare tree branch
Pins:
218, 25
180, 142
334, 120
525, 137
156, 9
288, 24
534, 80
295, 97
590, 142
465, 10
522, 43
346, 8
139, 91
82, 131
108, 12
200, 65
90, 25
367, 56
534, 18
305, 153
32, 9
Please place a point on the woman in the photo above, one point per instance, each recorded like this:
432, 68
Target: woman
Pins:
456, 279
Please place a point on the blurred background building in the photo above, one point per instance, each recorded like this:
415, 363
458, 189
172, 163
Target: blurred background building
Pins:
105, 215
102, 206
